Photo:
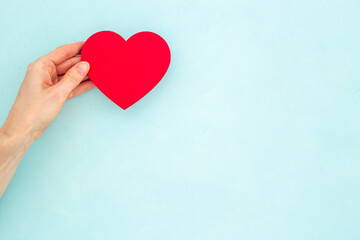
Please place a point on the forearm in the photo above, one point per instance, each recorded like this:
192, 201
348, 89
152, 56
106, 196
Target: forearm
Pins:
13, 145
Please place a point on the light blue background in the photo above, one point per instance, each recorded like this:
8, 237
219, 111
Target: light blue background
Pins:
254, 132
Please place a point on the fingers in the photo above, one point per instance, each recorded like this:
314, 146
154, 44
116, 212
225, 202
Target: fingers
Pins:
83, 87
73, 78
67, 64
64, 52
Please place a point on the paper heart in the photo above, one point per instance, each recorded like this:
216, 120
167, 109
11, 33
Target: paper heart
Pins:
125, 71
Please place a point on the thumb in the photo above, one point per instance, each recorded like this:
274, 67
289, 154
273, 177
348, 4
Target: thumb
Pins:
73, 77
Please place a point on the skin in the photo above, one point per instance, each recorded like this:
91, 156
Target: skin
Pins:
48, 83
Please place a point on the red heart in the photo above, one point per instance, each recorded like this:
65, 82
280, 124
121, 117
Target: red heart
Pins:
125, 71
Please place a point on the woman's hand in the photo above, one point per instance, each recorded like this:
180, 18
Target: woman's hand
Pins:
48, 83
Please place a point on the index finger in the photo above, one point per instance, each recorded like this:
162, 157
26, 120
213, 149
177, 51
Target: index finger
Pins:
64, 52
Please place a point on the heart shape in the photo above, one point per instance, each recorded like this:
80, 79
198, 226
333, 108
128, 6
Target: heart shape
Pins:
125, 71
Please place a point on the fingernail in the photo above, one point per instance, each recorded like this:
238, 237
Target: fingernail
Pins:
83, 68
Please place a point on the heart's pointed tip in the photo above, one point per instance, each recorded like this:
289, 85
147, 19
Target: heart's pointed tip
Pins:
124, 107
123, 104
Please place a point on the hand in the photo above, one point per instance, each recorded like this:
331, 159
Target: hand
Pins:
48, 83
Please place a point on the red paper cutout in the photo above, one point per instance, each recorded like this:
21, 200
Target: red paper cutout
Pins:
125, 71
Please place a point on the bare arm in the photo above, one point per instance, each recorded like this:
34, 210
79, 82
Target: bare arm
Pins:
48, 83
13, 146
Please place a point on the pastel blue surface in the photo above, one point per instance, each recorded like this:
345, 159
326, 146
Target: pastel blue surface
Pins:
254, 132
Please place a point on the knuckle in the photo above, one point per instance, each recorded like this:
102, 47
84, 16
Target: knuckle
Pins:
39, 64
43, 64
31, 66
72, 78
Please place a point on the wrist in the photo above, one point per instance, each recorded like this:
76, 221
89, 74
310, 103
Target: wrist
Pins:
16, 136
